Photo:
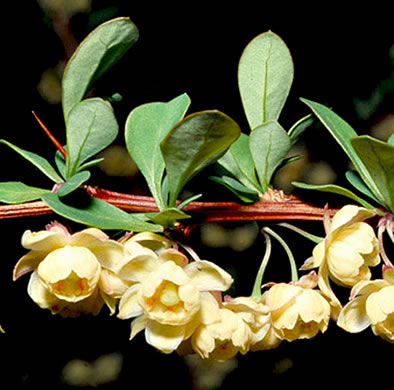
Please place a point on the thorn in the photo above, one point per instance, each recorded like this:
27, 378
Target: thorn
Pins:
57, 144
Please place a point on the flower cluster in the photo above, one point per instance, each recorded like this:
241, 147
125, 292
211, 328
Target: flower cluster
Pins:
345, 256
178, 303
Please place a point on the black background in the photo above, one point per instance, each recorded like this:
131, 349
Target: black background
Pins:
194, 48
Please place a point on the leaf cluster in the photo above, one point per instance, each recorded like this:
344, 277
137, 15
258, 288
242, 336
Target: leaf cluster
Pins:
170, 147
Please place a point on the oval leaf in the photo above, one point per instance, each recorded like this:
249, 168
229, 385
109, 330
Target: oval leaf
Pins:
100, 214
335, 189
146, 126
98, 52
13, 192
265, 75
378, 159
73, 183
355, 180
196, 142
39, 162
90, 128
342, 132
242, 156
269, 145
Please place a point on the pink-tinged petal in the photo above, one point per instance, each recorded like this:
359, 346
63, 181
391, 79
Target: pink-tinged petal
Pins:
105, 283
44, 240
57, 226
208, 276
128, 305
27, 263
166, 338
367, 287
308, 281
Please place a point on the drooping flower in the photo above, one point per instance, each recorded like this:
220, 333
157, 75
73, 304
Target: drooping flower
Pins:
170, 297
298, 310
371, 304
258, 317
67, 268
222, 339
345, 255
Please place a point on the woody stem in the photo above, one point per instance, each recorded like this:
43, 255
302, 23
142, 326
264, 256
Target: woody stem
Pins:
281, 208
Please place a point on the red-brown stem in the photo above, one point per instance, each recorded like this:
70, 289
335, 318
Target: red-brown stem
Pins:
57, 144
275, 207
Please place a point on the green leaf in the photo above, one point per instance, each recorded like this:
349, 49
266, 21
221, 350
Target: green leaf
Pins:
299, 127
100, 214
39, 162
240, 151
390, 141
145, 128
13, 192
245, 194
334, 189
265, 75
97, 53
355, 180
378, 159
90, 128
269, 145
227, 163
60, 163
73, 183
168, 217
342, 132
196, 142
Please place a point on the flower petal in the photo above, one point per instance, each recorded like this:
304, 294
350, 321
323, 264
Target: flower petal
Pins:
44, 240
350, 214
353, 317
360, 236
39, 294
128, 305
208, 276
27, 263
379, 305
138, 325
141, 263
165, 338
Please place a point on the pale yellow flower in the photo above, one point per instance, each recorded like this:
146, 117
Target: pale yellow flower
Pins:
371, 304
67, 268
258, 317
297, 309
222, 339
345, 255
170, 296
